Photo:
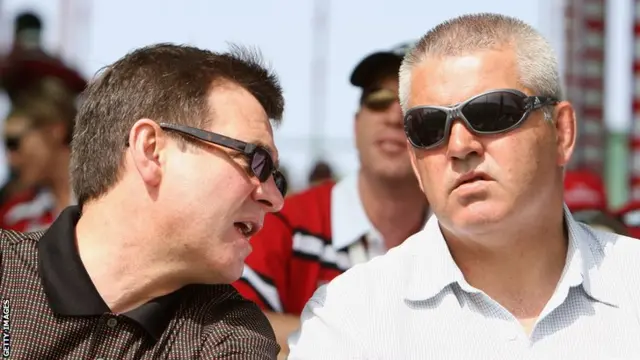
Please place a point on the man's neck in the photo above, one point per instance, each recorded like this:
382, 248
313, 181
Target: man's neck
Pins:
126, 273
522, 272
397, 210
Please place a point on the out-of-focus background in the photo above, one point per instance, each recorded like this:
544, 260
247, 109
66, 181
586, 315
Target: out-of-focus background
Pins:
314, 45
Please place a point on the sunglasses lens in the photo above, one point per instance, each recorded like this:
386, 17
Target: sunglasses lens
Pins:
425, 127
12, 143
281, 182
495, 112
380, 100
262, 167
487, 114
261, 164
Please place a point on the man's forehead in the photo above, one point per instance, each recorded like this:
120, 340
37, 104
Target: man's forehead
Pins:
453, 79
236, 113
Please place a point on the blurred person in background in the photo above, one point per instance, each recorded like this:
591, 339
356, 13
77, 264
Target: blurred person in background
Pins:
12, 184
28, 63
37, 137
325, 230
585, 196
320, 173
24, 73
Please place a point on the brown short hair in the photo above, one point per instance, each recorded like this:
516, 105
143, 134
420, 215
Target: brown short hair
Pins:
163, 82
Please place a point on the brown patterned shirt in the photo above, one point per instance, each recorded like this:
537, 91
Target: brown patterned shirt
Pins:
51, 310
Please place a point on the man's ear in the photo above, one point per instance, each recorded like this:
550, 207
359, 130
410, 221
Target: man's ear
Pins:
566, 132
146, 144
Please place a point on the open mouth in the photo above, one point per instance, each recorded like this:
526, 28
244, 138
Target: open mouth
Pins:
246, 228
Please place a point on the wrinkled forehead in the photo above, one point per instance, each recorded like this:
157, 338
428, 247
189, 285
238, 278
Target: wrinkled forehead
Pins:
236, 113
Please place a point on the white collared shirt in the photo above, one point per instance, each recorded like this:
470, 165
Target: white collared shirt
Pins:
350, 223
414, 303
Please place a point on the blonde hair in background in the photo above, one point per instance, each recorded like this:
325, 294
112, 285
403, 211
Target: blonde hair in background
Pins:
47, 102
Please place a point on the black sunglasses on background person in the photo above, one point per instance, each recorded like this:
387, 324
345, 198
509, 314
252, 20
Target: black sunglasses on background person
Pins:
12, 143
260, 161
489, 113
378, 99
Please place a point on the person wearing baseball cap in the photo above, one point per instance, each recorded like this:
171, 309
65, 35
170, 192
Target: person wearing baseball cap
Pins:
325, 230
378, 63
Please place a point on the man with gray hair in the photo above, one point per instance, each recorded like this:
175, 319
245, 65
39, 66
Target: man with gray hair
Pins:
502, 271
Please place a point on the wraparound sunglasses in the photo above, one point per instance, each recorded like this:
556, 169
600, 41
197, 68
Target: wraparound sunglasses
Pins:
489, 113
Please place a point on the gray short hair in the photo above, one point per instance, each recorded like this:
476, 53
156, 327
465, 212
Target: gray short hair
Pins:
536, 59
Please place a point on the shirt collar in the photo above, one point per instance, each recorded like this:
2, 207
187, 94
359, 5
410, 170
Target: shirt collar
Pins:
586, 265
429, 254
349, 222
69, 288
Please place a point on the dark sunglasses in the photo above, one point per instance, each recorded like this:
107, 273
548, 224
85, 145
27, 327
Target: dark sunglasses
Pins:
12, 143
379, 99
492, 112
260, 160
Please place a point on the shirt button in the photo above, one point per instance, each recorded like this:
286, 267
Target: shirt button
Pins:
112, 322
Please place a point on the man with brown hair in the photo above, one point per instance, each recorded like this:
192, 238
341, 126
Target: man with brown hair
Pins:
174, 167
